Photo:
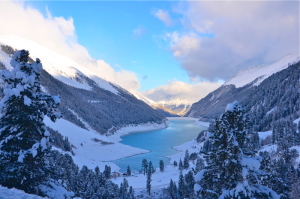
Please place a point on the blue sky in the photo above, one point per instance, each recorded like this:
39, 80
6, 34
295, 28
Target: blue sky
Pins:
163, 48
106, 29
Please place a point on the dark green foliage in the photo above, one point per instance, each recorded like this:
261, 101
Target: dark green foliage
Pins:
193, 156
171, 190
161, 165
190, 182
180, 167
59, 141
128, 172
186, 160
175, 163
144, 166
151, 168
148, 184
181, 187
199, 164
107, 172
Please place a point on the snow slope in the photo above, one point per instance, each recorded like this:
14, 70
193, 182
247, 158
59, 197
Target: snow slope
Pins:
60, 67
13, 193
152, 103
139, 96
249, 74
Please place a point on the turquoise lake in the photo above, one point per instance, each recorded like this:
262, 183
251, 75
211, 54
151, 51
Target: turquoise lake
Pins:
159, 142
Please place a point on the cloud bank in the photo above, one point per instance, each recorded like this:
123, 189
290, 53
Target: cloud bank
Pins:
176, 89
221, 37
59, 35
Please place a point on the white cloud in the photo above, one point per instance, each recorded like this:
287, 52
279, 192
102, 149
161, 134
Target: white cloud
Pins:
190, 92
57, 34
163, 15
139, 32
221, 37
182, 45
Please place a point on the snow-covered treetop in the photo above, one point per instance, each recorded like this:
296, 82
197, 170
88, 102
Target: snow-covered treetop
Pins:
230, 107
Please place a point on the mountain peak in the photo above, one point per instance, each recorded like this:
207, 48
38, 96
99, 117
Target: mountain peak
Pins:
249, 74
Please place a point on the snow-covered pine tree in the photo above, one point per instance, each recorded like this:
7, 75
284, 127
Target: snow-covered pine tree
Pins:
180, 167
186, 160
161, 165
232, 169
144, 166
148, 183
128, 172
107, 171
150, 167
124, 189
181, 187
171, 189
23, 135
199, 164
190, 182
175, 163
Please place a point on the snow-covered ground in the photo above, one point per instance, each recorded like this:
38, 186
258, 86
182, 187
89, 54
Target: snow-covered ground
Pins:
88, 148
264, 135
13, 193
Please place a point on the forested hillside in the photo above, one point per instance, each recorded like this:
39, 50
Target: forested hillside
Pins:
277, 97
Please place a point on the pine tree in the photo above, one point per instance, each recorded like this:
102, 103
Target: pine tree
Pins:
23, 135
144, 166
181, 187
171, 189
128, 171
175, 163
186, 160
199, 164
180, 167
107, 172
131, 193
151, 168
124, 189
148, 185
190, 182
161, 165
232, 169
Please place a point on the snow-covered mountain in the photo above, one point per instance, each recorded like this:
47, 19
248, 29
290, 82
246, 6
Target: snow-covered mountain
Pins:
174, 103
267, 92
87, 100
58, 66
178, 104
261, 72
157, 106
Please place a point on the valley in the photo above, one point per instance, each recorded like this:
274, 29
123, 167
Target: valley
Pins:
180, 113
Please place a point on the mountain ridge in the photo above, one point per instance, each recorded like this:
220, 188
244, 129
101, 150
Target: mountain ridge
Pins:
258, 96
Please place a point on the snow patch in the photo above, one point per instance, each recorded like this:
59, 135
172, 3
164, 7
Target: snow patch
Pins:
264, 135
231, 106
27, 100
